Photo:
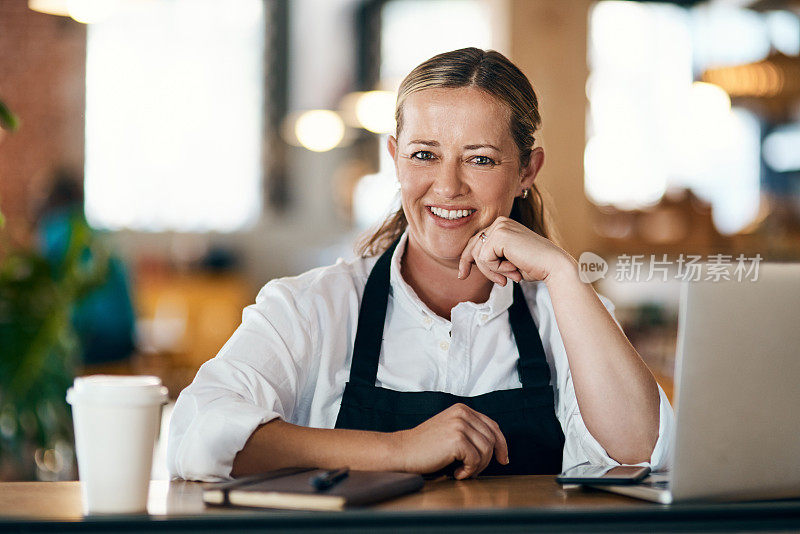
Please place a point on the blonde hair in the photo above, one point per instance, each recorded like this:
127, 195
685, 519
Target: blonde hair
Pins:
493, 73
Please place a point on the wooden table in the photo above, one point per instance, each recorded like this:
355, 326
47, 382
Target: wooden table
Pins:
491, 504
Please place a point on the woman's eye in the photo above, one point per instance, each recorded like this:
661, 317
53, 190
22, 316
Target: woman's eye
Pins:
422, 155
483, 160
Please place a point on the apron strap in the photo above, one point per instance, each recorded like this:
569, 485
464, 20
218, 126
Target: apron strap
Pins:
532, 364
371, 318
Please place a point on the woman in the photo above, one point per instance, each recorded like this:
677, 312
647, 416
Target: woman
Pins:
463, 338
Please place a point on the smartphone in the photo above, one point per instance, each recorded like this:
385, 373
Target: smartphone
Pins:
598, 474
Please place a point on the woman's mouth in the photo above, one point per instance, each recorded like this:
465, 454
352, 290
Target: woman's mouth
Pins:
447, 218
451, 215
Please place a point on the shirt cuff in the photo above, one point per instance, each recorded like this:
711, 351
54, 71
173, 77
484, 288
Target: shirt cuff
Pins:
662, 453
208, 447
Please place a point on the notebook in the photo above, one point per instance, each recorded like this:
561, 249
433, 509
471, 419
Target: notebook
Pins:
291, 489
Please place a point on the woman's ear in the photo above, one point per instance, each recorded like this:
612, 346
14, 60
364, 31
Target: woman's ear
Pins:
529, 172
391, 146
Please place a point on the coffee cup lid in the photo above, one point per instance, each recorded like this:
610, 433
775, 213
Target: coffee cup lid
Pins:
117, 390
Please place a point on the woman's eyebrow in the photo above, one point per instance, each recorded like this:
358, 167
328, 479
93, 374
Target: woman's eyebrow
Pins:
486, 145
428, 142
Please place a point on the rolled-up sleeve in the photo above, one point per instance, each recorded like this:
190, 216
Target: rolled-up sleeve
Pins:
580, 446
254, 379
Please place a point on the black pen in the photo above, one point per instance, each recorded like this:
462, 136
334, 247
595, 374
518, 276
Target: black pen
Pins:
328, 479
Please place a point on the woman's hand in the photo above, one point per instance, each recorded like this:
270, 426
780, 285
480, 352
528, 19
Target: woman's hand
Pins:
511, 250
457, 433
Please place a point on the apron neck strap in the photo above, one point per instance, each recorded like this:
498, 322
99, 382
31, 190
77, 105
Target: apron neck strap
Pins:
532, 364
371, 318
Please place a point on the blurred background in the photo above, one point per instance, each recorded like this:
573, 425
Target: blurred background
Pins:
160, 160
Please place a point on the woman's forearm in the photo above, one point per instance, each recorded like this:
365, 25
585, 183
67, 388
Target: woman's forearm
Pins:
616, 392
279, 444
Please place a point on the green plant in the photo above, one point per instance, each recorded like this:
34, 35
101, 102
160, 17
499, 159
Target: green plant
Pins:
10, 122
39, 348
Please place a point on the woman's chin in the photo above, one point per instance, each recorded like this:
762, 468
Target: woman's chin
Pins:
448, 248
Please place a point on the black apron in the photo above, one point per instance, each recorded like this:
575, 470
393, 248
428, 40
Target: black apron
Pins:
526, 415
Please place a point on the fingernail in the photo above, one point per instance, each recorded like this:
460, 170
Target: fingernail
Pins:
459, 273
508, 461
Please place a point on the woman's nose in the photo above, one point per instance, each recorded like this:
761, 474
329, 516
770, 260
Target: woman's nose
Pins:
449, 182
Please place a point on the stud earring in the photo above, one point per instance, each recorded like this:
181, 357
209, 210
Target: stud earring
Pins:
525, 193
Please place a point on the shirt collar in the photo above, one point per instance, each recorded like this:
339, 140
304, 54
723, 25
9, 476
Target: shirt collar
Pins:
500, 298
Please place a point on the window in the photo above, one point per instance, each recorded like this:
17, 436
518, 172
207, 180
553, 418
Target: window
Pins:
174, 96
415, 30
650, 127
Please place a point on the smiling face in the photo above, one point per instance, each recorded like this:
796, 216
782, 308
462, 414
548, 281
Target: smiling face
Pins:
458, 167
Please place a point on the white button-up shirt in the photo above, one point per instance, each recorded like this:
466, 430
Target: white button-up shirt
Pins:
290, 358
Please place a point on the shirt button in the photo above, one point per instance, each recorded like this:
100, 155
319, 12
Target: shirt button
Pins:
444, 345
427, 321
484, 317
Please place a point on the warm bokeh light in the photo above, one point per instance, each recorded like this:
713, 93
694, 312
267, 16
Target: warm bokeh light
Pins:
90, 11
757, 79
51, 7
319, 130
83, 11
375, 111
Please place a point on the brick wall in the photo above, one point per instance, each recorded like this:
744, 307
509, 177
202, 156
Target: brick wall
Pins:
42, 80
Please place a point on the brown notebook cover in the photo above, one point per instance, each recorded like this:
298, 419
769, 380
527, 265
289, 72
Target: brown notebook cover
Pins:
291, 488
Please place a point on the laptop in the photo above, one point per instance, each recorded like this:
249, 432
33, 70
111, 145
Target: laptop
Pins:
737, 392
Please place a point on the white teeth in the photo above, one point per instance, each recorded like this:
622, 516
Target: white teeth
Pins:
450, 214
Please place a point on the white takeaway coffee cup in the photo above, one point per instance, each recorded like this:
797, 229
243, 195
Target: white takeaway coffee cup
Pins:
117, 419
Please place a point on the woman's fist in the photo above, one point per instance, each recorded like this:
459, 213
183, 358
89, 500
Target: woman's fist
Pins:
458, 433
508, 250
